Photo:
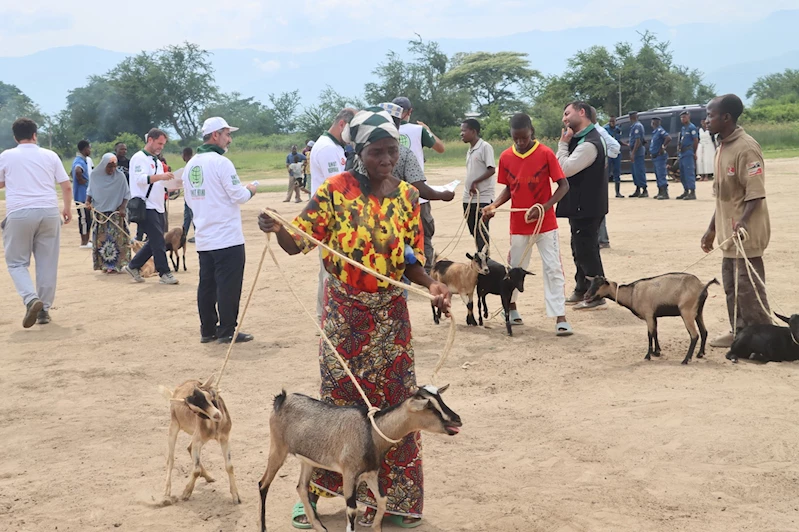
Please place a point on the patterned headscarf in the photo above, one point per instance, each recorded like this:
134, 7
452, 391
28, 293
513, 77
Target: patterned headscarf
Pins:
368, 126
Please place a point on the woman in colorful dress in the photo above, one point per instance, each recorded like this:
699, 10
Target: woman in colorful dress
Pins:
108, 196
372, 217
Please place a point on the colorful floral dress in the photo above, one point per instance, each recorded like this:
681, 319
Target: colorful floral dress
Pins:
367, 319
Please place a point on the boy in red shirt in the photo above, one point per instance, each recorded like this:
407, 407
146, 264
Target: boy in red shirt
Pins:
528, 168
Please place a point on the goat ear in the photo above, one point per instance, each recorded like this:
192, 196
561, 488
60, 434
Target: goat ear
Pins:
485, 249
443, 389
469, 256
783, 318
528, 273
208, 382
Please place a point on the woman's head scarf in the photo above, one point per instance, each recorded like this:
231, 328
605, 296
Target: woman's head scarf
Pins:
99, 170
369, 126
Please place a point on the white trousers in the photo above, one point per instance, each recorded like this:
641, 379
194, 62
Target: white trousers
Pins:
554, 279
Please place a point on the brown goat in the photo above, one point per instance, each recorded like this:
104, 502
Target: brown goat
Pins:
198, 409
148, 268
176, 240
671, 294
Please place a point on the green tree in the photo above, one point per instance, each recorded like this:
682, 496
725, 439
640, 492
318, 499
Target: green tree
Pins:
285, 106
15, 104
421, 80
174, 84
782, 86
248, 114
492, 79
316, 119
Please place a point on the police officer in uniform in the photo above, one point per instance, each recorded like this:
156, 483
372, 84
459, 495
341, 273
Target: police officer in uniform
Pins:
637, 153
657, 150
615, 162
689, 142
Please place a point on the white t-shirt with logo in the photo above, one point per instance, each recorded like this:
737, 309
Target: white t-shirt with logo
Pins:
411, 137
214, 192
29, 173
141, 167
327, 159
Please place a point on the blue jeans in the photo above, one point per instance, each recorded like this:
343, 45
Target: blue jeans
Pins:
639, 169
688, 170
615, 169
661, 173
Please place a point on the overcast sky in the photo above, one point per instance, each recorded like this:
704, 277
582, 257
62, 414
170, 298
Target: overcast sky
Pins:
305, 25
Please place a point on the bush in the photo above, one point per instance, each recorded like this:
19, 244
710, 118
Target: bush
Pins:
133, 142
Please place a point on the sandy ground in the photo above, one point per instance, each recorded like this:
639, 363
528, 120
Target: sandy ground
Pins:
565, 435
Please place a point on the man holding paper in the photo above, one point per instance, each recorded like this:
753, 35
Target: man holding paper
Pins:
214, 192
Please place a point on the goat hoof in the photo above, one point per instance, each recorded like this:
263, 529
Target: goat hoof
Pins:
656, 354
236, 499
684, 362
700, 355
647, 357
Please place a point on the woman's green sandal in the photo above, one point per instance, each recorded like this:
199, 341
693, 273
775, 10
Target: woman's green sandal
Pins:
299, 511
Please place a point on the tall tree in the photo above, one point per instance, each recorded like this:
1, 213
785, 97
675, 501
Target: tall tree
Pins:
421, 80
14, 104
175, 84
316, 119
248, 114
492, 79
779, 86
285, 106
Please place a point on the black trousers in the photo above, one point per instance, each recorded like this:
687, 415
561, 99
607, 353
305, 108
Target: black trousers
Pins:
219, 290
585, 250
155, 247
749, 310
473, 215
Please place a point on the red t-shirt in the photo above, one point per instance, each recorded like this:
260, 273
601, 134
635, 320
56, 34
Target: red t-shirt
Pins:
529, 176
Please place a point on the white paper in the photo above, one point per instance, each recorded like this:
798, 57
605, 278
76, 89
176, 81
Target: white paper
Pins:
176, 183
449, 187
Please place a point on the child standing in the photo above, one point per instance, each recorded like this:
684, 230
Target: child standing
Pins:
527, 169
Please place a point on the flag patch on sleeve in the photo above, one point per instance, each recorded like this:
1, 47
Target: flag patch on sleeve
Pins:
755, 168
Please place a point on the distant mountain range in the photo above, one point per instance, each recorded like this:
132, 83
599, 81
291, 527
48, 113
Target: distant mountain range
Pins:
731, 56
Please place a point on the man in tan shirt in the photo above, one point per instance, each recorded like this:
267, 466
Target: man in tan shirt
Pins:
740, 204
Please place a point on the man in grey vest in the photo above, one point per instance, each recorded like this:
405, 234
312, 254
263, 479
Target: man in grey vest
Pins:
581, 154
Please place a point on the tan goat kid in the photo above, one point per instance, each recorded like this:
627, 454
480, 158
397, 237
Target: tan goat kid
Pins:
197, 409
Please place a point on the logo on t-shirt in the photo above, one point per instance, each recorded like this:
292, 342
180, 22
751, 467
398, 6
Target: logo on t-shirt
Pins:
235, 179
755, 168
196, 177
405, 140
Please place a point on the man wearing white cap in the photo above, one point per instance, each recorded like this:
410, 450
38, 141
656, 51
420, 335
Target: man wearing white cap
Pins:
214, 192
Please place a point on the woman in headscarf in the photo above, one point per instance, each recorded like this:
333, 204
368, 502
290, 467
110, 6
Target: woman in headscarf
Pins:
108, 196
372, 217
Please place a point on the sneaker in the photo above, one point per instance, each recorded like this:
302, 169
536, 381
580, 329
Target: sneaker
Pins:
725, 341
43, 318
32, 312
191, 240
575, 298
298, 200
133, 272
597, 304
85, 246
619, 195
207, 339
168, 278
240, 339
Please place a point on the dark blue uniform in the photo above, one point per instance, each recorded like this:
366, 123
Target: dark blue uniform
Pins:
688, 134
615, 164
639, 170
655, 145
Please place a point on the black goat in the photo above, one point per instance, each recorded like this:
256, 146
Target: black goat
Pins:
767, 343
502, 282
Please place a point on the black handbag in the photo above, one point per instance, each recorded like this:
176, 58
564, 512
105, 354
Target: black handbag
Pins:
137, 207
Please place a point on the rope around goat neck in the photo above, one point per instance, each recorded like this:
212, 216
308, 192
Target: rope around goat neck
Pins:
447, 347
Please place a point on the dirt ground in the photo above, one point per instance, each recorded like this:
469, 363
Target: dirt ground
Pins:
571, 434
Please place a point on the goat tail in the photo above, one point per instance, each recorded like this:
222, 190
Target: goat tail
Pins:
279, 400
166, 392
703, 294
712, 281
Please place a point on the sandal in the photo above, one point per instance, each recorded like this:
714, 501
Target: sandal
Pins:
368, 517
563, 329
299, 511
515, 317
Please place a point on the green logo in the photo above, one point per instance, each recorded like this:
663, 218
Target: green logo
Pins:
196, 177
405, 140
235, 179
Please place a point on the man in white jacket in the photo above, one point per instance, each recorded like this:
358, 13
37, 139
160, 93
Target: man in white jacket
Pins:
214, 192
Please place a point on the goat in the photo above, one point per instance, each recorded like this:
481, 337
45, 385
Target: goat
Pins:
767, 343
461, 279
198, 409
670, 294
176, 240
342, 439
502, 282
148, 268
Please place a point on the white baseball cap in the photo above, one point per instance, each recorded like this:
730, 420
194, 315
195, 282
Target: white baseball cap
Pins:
215, 123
